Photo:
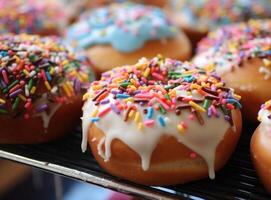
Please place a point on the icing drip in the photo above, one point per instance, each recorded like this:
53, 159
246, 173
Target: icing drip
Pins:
226, 48
46, 115
125, 26
264, 116
201, 140
206, 15
156, 98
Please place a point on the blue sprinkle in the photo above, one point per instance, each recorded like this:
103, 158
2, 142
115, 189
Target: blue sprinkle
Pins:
95, 119
122, 96
233, 101
48, 76
161, 120
150, 112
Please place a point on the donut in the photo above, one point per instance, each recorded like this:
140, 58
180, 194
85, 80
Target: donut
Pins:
161, 122
126, 32
241, 54
93, 3
32, 17
41, 87
260, 146
198, 17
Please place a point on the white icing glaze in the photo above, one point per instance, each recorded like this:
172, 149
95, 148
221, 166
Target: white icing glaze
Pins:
202, 139
263, 116
46, 116
265, 126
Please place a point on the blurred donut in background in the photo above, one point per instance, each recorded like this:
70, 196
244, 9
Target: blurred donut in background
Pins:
241, 54
32, 17
197, 17
120, 34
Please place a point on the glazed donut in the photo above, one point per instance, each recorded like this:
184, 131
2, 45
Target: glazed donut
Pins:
198, 17
32, 17
261, 145
41, 82
126, 32
241, 54
161, 122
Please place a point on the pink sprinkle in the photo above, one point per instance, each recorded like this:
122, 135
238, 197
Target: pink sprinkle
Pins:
144, 96
157, 76
214, 111
4, 73
149, 122
193, 155
191, 117
184, 125
163, 103
104, 112
43, 75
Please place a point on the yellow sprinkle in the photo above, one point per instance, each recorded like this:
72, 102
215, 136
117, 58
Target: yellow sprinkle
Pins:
25, 72
180, 128
22, 97
64, 62
131, 99
131, 113
2, 101
266, 62
52, 71
66, 90
147, 72
133, 81
140, 126
95, 112
96, 87
210, 67
33, 90
219, 84
47, 85
172, 93
268, 103
137, 117
86, 96
115, 80
69, 86
141, 65
195, 86
84, 77
196, 106
132, 87
237, 96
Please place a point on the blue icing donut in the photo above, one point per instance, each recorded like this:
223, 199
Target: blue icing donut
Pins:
125, 26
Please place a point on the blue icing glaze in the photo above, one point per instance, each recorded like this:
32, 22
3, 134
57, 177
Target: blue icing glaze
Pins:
125, 26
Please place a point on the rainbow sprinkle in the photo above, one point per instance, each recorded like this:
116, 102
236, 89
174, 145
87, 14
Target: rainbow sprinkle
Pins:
31, 16
179, 86
207, 15
229, 46
31, 66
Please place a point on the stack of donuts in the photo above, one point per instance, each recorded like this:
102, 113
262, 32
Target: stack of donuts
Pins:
163, 88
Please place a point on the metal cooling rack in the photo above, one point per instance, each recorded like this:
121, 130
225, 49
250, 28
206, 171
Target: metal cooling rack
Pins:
237, 180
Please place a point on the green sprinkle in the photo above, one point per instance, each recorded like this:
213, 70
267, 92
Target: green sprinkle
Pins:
30, 84
206, 104
162, 110
16, 103
2, 111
